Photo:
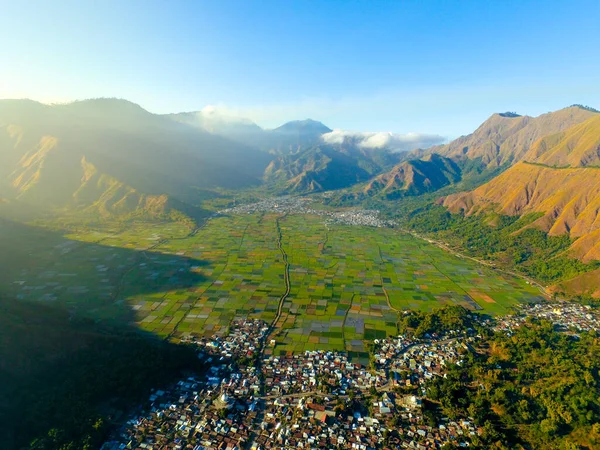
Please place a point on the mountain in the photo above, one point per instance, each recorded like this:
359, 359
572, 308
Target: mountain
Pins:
505, 138
560, 181
235, 128
326, 167
307, 127
112, 157
287, 138
501, 141
416, 176
579, 146
568, 199
295, 136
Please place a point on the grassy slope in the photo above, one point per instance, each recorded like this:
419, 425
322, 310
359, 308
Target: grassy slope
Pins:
578, 146
568, 199
502, 139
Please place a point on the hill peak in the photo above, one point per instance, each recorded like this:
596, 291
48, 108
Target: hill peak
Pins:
106, 104
509, 114
21, 107
304, 126
584, 107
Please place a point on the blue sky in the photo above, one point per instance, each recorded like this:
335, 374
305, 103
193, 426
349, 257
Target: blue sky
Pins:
403, 66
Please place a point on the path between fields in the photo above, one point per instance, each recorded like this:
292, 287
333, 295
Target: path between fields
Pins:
286, 278
261, 353
385, 292
345, 318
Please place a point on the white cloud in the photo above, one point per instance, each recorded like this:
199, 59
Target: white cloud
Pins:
223, 114
393, 141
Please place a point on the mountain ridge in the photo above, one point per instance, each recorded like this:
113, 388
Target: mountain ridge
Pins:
415, 176
286, 138
504, 140
567, 198
47, 154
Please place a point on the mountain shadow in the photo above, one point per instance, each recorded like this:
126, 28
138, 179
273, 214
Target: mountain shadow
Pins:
70, 362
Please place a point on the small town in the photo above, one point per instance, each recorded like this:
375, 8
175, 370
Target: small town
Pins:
314, 400
299, 205
318, 399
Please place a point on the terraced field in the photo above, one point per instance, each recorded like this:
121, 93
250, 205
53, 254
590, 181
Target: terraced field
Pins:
347, 284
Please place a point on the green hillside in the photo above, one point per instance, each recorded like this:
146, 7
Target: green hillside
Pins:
62, 378
72, 360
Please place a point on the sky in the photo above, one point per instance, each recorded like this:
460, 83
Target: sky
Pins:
437, 67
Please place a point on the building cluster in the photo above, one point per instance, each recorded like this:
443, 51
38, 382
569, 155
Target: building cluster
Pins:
411, 362
215, 411
322, 400
312, 370
193, 414
386, 421
566, 316
300, 205
242, 341
318, 399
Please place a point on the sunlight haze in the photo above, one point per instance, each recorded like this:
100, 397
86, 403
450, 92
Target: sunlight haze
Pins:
402, 67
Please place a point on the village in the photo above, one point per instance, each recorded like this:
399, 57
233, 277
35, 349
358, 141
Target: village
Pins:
317, 399
299, 205
566, 316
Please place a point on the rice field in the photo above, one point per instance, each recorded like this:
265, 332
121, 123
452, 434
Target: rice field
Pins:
348, 284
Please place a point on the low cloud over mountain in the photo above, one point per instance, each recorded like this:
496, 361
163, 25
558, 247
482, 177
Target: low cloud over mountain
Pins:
393, 141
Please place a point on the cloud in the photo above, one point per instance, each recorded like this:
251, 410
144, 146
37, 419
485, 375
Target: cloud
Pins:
393, 141
223, 114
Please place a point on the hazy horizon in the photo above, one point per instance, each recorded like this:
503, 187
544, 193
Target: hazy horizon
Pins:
432, 69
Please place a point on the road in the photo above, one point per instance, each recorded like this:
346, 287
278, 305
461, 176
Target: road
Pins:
267, 337
286, 277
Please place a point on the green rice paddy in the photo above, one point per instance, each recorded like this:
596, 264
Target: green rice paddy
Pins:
348, 283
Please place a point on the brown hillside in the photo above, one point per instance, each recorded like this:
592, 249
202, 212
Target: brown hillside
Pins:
579, 146
587, 247
506, 138
569, 199
415, 177
484, 142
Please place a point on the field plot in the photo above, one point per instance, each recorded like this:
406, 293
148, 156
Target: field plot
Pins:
347, 283
336, 300
91, 273
244, 277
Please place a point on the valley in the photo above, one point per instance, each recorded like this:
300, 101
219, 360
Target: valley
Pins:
348, 282
299, 225
131, 243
